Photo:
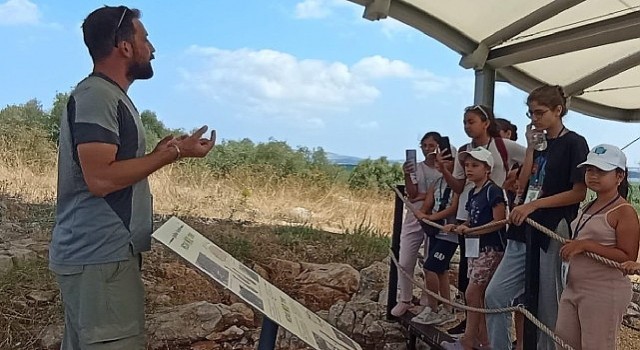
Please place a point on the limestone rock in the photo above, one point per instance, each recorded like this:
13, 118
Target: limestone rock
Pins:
184, 323
284, 268
205, 345
341, 277
261, 271
51, 336
373, 280
319, 286
230, 334
299, 214
364, 321
6, 263
42, 295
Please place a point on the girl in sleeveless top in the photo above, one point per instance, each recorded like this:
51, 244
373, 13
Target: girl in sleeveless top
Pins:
412, 236
596, 296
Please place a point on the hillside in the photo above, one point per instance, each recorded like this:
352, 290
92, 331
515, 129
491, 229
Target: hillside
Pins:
317, 232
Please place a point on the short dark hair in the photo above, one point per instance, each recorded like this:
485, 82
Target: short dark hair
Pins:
505, 125
431, 134
101, 31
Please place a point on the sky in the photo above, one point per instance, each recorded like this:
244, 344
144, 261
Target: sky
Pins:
312, 73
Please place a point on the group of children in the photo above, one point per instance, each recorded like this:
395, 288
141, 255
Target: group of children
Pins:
493, 178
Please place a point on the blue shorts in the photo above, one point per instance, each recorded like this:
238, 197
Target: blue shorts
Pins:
440, 254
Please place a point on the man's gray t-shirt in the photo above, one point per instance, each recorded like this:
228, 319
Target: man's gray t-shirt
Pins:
90, 229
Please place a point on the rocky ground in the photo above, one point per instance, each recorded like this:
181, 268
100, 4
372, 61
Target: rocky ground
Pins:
185, 310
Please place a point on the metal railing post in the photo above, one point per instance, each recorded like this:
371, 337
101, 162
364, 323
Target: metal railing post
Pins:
531, 287
268, 334
392, 292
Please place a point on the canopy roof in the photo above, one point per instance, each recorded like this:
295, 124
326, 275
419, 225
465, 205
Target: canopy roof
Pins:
590, 47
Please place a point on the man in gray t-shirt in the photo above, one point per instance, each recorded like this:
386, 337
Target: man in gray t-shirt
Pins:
104, 205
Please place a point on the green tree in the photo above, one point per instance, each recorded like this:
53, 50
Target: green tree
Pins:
29, 115
377, 174
23, 136
229, 155
52, 119
155, 130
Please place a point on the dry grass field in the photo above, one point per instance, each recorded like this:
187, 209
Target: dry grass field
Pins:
253, 215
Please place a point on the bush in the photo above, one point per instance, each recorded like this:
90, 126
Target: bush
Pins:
30, 134
375, 174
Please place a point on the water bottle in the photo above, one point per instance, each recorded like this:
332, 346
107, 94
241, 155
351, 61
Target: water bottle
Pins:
539, 140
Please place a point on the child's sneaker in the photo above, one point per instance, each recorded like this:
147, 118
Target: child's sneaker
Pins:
456, 345
445, 317
427, 315
400, 308
458, 331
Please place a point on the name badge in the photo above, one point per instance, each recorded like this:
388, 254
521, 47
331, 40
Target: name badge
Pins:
472, 247
532, 194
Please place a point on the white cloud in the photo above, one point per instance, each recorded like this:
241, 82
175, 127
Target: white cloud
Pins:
268, 83
312, 9
381, 67
317, 9
277, 83
19, 12
428, 83
391, 27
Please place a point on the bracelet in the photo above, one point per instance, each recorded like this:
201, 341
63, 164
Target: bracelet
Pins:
178, 152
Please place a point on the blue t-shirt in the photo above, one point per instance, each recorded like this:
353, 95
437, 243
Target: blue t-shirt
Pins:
480, 208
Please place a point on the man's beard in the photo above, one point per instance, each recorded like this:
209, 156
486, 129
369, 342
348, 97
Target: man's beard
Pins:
139, 70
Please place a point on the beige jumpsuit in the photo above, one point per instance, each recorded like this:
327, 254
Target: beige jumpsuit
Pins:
597, 296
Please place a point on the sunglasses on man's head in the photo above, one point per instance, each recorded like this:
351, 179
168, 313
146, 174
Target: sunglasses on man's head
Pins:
118, 27
477, 107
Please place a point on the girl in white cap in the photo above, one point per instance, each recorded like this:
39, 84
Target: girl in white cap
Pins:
484, 248
596, 296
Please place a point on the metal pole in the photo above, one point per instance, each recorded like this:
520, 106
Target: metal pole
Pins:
485, 84
411, 343
268, 334
392, 291
531, 287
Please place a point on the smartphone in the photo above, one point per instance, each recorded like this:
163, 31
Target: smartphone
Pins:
445, 147
411, 156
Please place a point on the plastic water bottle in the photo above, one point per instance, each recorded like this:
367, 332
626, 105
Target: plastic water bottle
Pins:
539, 140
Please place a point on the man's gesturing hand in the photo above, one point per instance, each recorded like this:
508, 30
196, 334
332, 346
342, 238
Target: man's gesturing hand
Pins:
195, 145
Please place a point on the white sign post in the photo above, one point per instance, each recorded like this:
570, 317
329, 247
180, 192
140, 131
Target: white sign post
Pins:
247, 284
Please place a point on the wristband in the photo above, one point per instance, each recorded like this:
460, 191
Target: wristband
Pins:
178, 152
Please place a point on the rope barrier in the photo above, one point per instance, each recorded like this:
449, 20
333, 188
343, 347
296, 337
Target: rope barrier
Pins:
519, 308
529, 221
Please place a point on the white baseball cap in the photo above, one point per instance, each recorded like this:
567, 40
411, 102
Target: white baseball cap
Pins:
479, 153
606, 157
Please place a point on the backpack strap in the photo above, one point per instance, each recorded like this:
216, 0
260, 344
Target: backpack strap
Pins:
445, 198
502, 233
502, 149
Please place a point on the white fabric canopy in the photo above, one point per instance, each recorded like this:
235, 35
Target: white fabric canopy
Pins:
590, 47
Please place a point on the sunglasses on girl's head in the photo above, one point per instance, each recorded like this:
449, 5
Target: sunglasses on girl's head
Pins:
477, 107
